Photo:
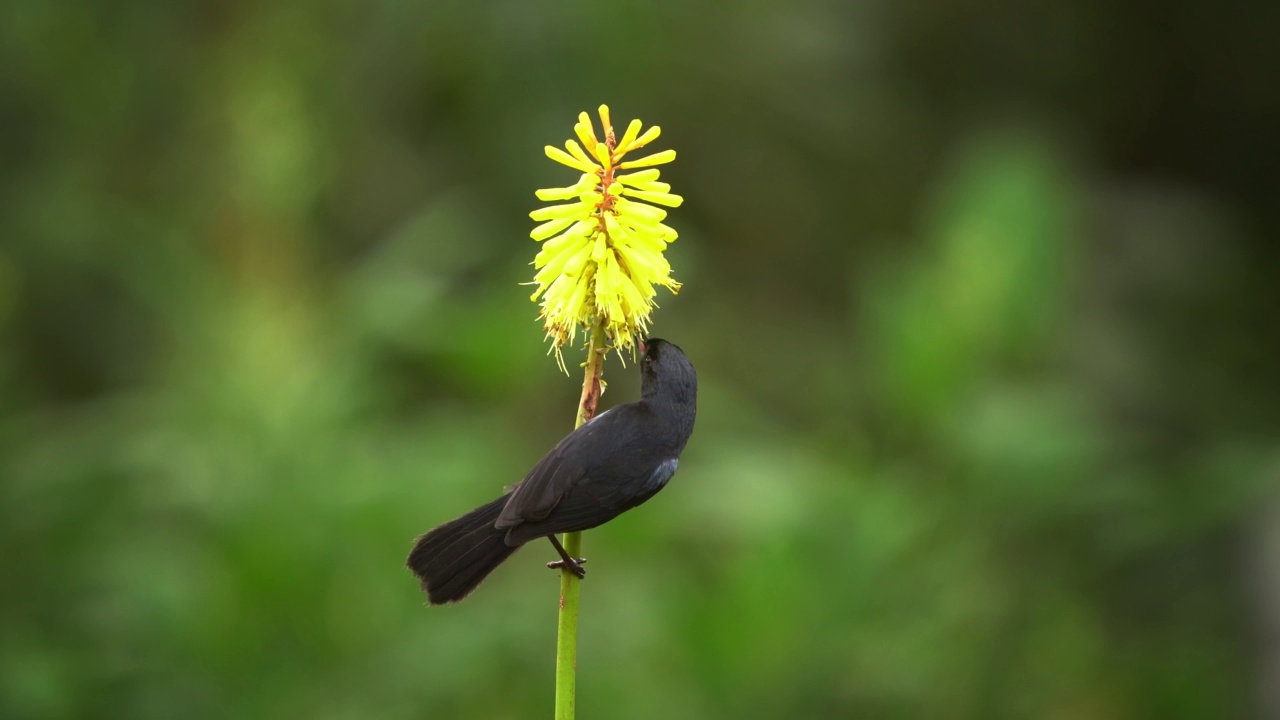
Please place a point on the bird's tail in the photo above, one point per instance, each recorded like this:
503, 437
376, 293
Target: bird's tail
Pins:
452, 559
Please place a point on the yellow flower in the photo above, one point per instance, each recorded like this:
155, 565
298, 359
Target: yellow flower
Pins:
602, 251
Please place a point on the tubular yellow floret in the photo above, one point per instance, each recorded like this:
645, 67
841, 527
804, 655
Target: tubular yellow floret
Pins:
660, 158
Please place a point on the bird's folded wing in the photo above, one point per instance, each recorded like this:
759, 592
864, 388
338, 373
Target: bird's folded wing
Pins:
562, 468
585, 506
541, 491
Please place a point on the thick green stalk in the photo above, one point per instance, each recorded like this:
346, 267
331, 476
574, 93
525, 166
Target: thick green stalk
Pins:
567, 637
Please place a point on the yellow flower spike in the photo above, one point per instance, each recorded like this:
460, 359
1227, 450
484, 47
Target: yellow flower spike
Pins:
601, 258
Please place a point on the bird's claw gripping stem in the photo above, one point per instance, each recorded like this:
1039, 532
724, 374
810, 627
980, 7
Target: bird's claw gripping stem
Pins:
573, 565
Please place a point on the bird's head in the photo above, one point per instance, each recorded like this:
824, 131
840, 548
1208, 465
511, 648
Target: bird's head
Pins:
666, 373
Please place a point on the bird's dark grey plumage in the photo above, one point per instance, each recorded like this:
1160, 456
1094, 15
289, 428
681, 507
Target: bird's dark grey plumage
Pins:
604, 468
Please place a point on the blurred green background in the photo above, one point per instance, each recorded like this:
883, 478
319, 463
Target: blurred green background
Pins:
983, 299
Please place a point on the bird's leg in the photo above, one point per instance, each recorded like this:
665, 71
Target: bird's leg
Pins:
573, 565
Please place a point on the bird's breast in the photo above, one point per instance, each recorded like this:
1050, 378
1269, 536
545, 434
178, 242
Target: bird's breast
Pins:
662, 474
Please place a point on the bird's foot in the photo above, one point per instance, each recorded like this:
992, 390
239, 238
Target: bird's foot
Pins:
573, 565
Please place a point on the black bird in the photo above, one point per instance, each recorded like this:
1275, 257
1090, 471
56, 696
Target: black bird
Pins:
599, 471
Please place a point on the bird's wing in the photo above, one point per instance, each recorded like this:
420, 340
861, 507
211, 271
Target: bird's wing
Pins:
562, 468
589, 504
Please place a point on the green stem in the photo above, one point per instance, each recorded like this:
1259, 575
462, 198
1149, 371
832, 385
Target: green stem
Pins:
567, 638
